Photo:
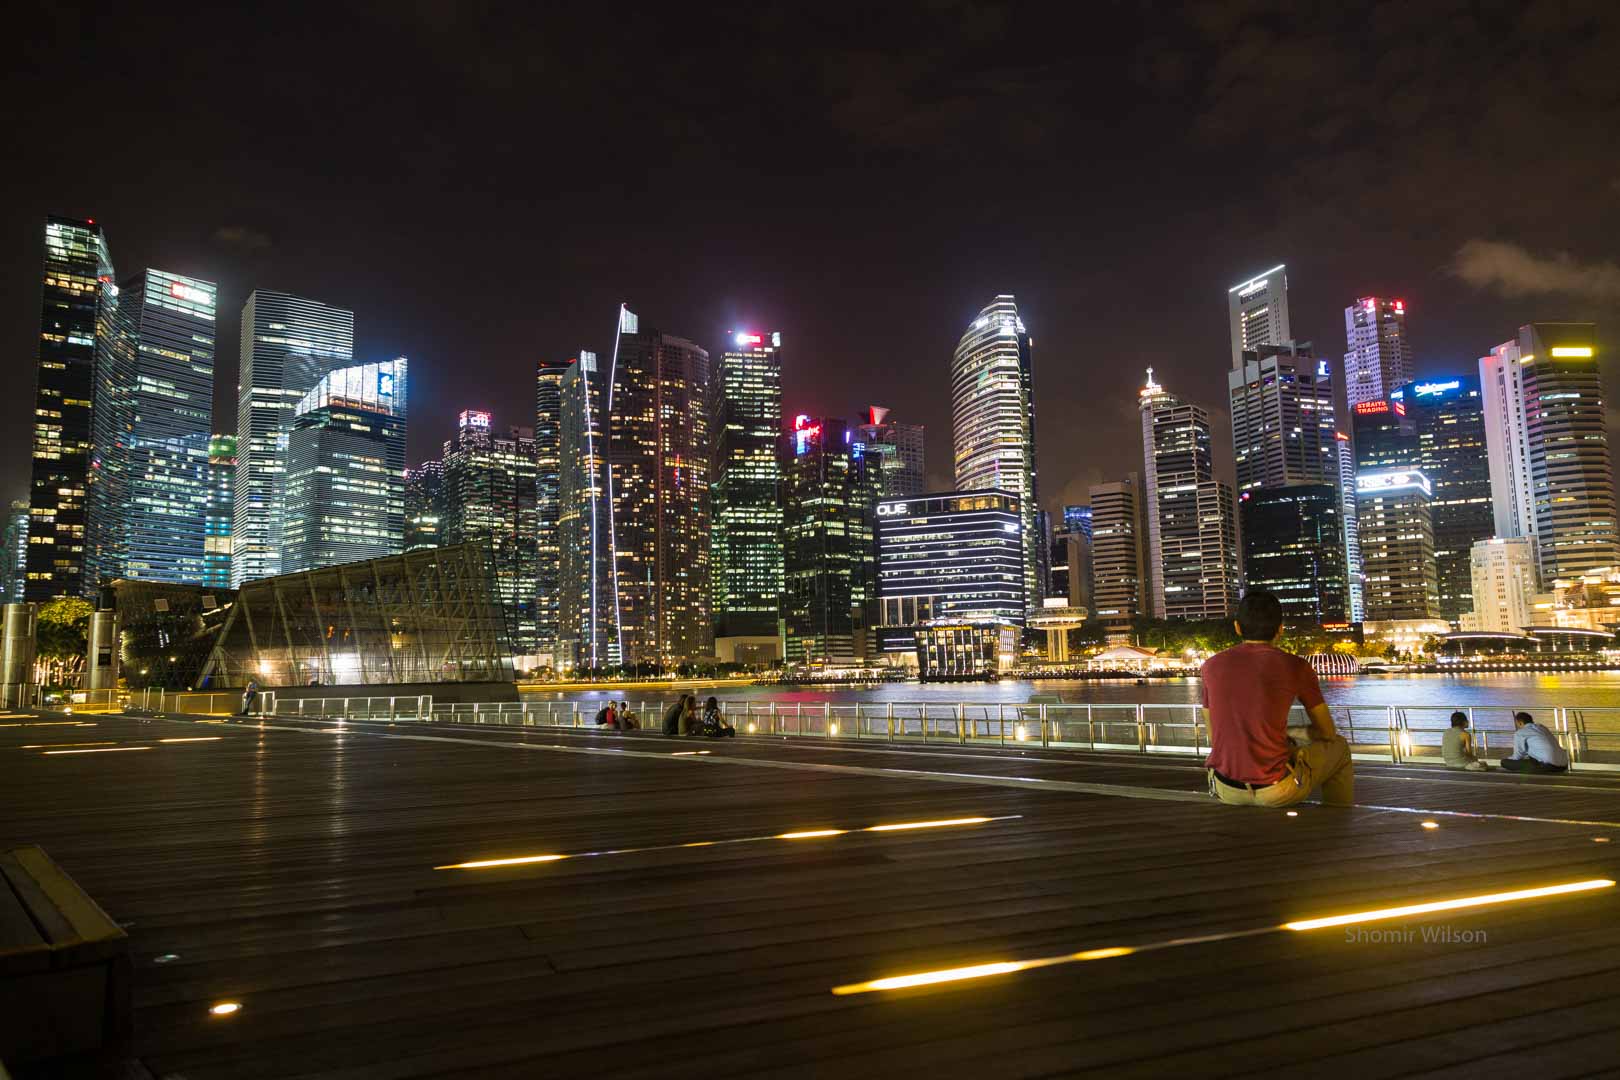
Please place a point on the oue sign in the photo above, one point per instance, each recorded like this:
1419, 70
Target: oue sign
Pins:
891, 509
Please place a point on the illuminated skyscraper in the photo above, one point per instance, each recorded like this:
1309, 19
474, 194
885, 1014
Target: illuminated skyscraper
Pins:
993, 420
288, 343
1571, 471
660, 454
1450, 427
149, 487
1258, 312
587, 626
1350, 520
424, 506
548, 478
829, 600
897, 452
1293, 547
77, 272
1507, 441
221, 502
1378, 355
345, 486
1393, 501
1190, 516
1119, 564
1282, 417
745, 564
14, 553
490, 496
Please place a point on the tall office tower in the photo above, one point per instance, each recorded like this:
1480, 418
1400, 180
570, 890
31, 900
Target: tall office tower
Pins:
1571, 471
993, 419
1350, 521
1507, 440
1076, 538
78, 273
288, 343
897, 449
745, 560
490, 497
587, 625
1077, 519
424, 506
14, 553
1378, 355
1282, 417
1450, 425
1117, 559
548, 479
148, 490
1258, 312
345, 486
221, 504
1191, 520
829, 597
1397, 544
1058, 575
660, 452
1293, 547
1504, 585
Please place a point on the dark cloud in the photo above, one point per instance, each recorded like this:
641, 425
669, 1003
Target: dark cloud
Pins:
1512, 271
242, 238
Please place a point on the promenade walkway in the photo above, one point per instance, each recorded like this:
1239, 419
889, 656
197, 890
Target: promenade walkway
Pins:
713, 895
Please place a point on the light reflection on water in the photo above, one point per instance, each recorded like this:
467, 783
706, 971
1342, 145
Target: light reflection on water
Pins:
1587, 689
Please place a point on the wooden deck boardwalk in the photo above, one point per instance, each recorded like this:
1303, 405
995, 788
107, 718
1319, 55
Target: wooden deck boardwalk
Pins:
291, 868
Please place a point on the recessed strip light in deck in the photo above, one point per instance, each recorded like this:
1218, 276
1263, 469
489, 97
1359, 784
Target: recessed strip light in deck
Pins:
1455, 904
98, 750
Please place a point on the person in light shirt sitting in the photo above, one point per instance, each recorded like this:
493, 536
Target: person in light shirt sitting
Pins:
1535, 750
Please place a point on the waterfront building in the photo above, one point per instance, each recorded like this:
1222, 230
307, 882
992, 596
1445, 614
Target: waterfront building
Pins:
149, 491
746, 554
965, 651
288, 343
1378, 354
897, 450
1449, 422
14, 553
951, 558
1258, 312
1503, 572
1190, 517
424, 505
993, 420
345, 486
1350, 523
489, 497
587, 603
661, 451
1507, 440
829, 598
1571, 471
1293, 546
221, 503
1072, 558
1119, 567
1282, 417
1397, 545
547, 506
77, 275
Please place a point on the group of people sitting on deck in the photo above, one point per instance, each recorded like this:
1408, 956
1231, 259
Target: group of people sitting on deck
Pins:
1248, 691
682, 718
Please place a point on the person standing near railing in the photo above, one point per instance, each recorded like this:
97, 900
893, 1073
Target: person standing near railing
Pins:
250, 697
1248, 691
1535, 750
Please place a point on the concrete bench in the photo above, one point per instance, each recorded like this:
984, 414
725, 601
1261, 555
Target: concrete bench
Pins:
64, 964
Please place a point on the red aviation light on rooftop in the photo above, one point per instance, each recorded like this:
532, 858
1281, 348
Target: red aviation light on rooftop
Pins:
1366, 408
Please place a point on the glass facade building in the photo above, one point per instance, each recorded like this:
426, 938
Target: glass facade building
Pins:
1282, 418
1449, 420
149, 486
829, 599
1258, 312
547, 506
221, 502
587, 626
490, 497
14, 553
897, 451
345, 485
993, 421
746, 555
1378, 354
1397, 544
1118, 561
424, 505
288, 343
1293, 546
77, 272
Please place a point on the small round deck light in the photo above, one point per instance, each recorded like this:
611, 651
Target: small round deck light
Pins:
225, 1008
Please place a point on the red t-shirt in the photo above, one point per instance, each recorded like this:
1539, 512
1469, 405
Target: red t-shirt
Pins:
1248, 690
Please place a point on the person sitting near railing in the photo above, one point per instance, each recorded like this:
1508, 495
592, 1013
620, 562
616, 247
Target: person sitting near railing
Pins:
714, 722
607, 716
1457, 745
1248, 691
1535, 750
627, 719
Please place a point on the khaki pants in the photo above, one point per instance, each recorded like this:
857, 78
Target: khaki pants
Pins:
1323, 764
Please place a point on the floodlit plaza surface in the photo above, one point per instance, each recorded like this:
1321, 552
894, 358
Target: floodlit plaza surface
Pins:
305, 898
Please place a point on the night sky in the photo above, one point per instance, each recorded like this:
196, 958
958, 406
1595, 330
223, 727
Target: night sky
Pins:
483, 185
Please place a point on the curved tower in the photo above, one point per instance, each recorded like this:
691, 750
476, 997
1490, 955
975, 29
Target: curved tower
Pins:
993, 420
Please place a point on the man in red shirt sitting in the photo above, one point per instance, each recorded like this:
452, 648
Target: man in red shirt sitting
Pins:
1247, 691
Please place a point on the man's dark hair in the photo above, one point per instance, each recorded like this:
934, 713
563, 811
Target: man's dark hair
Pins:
1523, 718
1259, 616
1459, 719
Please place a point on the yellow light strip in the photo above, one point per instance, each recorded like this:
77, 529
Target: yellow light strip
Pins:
102, 750
978, 971
49, 745
927, 824
1572, 350
690, 753
810, 834
1454, 904
196, 738
520, 861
